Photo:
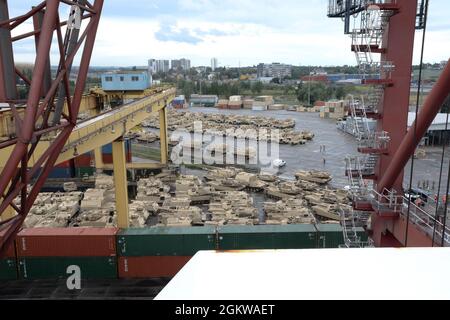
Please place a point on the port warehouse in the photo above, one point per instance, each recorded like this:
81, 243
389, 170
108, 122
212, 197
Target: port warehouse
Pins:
109, 253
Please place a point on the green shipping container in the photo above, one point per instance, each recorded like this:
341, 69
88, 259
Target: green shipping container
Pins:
8, 269
81, 172
332, 235
165, 241
56, 267
302, 236
362, 234
329, 236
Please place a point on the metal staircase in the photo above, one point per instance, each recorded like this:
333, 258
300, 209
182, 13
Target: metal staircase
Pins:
350, 221
367, 38
369, 164
374, 99
359, 118
421, 14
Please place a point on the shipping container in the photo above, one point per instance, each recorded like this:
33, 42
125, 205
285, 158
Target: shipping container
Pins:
85, 160
165, 241
67, 242
151, 267
11, 252
108, 158
65, 164
85, 171
332, 235
8, 269
107, 149
302, 236
60, 173
57, 267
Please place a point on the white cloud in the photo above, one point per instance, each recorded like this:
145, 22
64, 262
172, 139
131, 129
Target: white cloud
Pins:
245, 31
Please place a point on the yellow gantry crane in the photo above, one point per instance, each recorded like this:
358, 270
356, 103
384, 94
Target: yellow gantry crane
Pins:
110, 127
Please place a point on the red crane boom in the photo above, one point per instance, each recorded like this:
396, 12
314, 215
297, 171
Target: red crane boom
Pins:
43, 117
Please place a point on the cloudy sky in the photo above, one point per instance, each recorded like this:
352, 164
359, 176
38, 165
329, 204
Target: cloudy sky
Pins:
235, 31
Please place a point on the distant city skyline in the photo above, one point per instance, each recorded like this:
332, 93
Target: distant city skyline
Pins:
248, 32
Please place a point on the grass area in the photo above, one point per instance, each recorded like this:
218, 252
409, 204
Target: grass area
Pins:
428, 74
145, 152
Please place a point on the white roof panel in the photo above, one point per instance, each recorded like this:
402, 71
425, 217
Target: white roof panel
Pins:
314, 274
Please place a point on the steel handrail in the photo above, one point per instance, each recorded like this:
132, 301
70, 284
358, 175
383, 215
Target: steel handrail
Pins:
424, 217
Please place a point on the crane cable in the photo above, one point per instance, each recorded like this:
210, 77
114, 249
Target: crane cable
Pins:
444, 147
425, 20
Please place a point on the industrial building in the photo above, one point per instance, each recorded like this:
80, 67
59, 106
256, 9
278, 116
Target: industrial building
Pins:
158, 66
214, 64
126, 81
339, 78
198, 100
183, 64
274, 70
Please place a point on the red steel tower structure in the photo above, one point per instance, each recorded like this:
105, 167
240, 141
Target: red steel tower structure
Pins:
387, 28
44, 116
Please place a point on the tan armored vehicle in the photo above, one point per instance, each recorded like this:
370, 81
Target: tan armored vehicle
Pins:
222, 173
147, 137
307, 186
319, 177
94, 218
289, 188
226, 185
267, 177
250, 181
274, 192
326, 212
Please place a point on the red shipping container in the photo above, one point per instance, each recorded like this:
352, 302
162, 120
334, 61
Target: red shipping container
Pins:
108, 158
320, 104
11, 252
150, 267
84, 160
67, 242
64, 165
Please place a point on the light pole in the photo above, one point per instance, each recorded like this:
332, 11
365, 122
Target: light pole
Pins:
309, 87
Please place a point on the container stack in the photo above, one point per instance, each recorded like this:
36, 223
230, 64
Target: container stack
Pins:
46, 253
334, 110
267, 237
8, 264
314, 109
332, 235
277, 107
84, 165
107, 152
222, 104
160, 252
235, 103
248, 103
262, 103
179, 102
62, 170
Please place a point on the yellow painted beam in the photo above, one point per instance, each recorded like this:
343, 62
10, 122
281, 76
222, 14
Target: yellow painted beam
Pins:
163, 136
120, 183
137, 166
98, 158
8, 214
103, 129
